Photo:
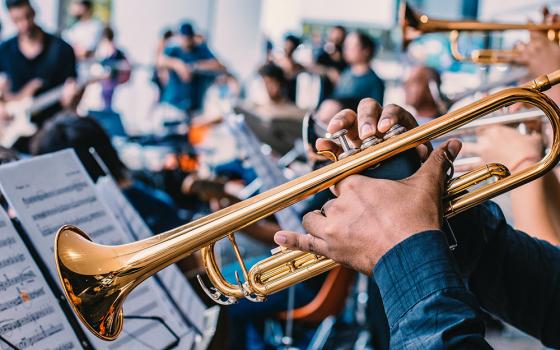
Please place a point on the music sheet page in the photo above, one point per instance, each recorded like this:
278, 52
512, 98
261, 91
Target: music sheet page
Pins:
30, 316
52, 190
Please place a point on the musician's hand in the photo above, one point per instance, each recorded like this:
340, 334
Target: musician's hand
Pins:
370, 119
69, 93
29, 89
505, 145
371, 216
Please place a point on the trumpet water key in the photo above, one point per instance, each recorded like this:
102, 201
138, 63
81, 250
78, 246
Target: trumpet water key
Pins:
97, 278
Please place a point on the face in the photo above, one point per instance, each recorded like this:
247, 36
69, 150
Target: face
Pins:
187, 42
416, 88
23, 18
289, 47
353, 50
273, 88
336, 36
77, 10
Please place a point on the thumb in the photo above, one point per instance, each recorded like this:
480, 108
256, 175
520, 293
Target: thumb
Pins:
438, 163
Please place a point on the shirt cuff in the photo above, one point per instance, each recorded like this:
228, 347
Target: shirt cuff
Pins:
413, 270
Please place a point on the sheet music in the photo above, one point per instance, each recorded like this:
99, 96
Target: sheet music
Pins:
29, 313
133, 225
51, 190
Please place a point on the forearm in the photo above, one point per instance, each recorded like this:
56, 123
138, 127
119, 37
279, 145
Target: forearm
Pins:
531, 211
425, 300
513, 276
209, 65
262, 231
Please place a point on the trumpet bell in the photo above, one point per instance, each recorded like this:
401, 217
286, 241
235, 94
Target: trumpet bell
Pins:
93, 289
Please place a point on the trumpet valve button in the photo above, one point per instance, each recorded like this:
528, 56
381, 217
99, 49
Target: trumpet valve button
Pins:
340, 138
371, 141
394, 131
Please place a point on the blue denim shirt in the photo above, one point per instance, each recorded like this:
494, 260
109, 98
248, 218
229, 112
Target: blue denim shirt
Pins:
432, 297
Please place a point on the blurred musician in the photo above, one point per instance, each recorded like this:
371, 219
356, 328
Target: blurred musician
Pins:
85, 34
422, 92
535, 205
359, 80
432, 297
278, 106
289, 65
34, 62
182, 62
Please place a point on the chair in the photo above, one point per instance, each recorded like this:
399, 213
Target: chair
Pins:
329, 300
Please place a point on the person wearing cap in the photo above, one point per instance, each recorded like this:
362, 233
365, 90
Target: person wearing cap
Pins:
182, 62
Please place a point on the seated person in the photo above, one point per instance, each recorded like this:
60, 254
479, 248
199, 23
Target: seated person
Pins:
82, 134
182, 62
422, 92
330, 61
433, 296
535, 205
114, 60
278, 105
359, 80
289, 65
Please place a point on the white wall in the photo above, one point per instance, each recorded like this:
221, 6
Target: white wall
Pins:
236, 36
47, 16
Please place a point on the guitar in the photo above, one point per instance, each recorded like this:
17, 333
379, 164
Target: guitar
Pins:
20, 111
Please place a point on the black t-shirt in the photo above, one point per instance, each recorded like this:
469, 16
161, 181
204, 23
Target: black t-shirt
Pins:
324, 59
53, 66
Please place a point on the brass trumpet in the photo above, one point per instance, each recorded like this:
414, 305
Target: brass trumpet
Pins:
414, 25
97, 278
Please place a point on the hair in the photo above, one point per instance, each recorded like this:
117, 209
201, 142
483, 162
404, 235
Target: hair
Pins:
270, 70
295, 40
108, 33
168, 33
17, 3
88, 4
81, 134
341, 28
434, 75
366, 42
7, 155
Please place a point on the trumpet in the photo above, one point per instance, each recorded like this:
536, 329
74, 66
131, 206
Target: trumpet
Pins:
414, 25
96, 279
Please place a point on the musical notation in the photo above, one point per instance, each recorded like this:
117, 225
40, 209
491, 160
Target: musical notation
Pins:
64, 194
29, 311
22, 298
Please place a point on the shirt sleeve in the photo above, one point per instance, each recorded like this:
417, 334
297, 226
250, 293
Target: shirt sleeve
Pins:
426, 302
205, 53
514, 276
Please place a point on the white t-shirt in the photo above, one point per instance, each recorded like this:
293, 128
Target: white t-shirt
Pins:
84, 34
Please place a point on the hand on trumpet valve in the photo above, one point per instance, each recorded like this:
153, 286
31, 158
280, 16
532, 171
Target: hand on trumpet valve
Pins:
371, 124
365, 221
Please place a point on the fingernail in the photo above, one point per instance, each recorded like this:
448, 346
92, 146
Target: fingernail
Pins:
366, 130
384, 125
280, 238
453, 148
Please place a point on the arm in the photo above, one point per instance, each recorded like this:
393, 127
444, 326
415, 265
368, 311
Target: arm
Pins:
166, 61
533, 203
417, 277
514, 276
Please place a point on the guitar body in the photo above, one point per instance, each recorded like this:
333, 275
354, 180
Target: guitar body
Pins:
20, 123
